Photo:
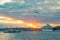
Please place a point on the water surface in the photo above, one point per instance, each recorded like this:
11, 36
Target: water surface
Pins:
30, 35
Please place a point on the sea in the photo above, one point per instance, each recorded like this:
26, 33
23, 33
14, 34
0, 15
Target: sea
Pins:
31, 35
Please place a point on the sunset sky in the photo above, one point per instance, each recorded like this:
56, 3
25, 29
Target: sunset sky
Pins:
32, 11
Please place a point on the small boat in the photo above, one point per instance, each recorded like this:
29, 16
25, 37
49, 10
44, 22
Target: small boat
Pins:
47, 30
12, 31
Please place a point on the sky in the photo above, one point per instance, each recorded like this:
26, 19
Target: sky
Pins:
41, 11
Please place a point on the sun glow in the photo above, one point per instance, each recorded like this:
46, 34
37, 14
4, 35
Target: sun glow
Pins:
21, 23
3, 1
9, 20
54, 25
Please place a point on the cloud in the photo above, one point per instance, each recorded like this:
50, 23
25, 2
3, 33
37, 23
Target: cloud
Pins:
47, 11
3, 1
54, 7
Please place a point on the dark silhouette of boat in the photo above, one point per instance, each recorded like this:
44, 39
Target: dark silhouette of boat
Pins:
16, 30
11, 30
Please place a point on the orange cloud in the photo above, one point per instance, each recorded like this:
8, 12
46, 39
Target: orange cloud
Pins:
54, 7
22, 23
1, 0
55, 25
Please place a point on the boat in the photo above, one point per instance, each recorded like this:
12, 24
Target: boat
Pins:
12, 31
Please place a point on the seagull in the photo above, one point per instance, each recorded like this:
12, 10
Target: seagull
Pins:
37, 12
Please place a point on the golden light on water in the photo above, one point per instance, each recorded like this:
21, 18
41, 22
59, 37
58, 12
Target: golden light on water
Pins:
4, 36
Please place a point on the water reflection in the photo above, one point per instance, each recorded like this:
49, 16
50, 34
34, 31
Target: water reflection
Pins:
31, 35
4, 36
23, 36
